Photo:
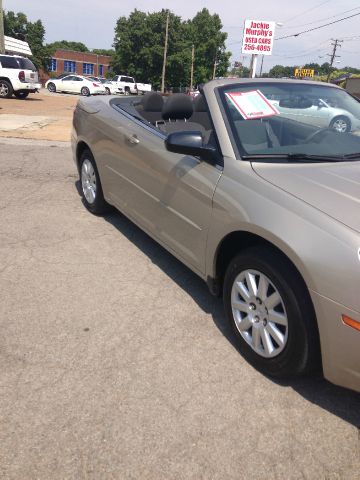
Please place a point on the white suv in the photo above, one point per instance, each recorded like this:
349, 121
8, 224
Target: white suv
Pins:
18, 76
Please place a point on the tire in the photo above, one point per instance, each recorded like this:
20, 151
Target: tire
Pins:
341, 124
85, 92
6, 89
21, 95
90, 184
291, 319
51, 87
127, 91
107, 89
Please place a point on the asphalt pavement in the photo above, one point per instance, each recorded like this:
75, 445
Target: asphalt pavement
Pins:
116, 362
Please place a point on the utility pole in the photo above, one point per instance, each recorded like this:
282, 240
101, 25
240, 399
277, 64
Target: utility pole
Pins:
333, 55
165, 53
214, 71
2, 39
192, 68
261, 65
253, 65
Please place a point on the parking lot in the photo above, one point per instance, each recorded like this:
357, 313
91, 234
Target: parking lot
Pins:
116, 361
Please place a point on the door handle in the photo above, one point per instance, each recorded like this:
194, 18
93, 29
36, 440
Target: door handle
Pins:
132, 139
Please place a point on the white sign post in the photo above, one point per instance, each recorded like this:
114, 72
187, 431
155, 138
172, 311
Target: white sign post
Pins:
258, 39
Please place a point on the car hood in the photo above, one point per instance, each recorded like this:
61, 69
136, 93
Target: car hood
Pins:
332, 188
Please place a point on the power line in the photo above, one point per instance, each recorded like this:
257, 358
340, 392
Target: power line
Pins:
306, 11
317, 28
321, 19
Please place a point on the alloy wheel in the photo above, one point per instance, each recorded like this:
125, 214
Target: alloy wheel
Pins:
340, 125
88, 181
4, 89
259, 313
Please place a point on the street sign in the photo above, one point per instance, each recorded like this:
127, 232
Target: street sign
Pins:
12, 45
258, 37
304, 72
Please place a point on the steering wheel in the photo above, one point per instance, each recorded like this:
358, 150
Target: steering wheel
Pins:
319, 133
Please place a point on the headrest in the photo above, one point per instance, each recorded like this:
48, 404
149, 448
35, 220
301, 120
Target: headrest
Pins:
152, 102
178, 106
200, 104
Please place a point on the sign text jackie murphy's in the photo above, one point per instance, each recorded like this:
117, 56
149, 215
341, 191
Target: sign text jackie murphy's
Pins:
258, 37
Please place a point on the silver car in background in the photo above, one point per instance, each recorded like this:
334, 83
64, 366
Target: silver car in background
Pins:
320, 113
263, 207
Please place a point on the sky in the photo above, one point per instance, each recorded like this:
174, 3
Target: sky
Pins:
93, 21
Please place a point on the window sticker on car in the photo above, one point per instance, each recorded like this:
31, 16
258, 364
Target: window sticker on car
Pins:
252, 105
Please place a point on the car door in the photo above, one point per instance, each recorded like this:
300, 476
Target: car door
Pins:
168, 194
67, 84
78, 83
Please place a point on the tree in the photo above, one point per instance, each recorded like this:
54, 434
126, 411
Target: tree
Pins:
103, 51
209, 42
139, 47
16, 25
279, 71
66, 45
239, 71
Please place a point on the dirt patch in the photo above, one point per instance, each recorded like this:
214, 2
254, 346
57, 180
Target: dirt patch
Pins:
18, 118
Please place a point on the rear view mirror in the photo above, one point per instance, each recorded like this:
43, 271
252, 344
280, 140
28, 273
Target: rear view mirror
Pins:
295, 103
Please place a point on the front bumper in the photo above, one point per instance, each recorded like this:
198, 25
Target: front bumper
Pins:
340, 344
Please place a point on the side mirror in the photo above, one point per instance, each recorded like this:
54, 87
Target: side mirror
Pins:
190, 143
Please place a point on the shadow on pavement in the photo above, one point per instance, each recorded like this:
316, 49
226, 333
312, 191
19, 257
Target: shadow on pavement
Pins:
336, 400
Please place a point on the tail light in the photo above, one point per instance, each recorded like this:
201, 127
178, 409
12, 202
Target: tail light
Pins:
22, 76
96, 85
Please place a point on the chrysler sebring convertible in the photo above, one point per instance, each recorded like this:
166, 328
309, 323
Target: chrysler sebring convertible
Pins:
263, 205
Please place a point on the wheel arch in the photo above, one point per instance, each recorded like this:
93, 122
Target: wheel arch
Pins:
80, 148
236, 241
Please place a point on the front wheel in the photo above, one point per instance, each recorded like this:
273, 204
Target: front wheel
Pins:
341, 124
270, 311
6, 89
85, 92
91, 186
107, 91
21, 95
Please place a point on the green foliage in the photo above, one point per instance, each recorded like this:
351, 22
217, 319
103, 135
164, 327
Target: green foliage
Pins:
139, 47
239, 72
16, 25
103, 51
321, 71
279, 71
66, 45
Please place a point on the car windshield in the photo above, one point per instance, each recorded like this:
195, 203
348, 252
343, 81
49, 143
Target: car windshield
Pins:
294, 119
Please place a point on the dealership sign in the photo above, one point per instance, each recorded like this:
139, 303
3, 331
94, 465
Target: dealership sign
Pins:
258, 37
304, 72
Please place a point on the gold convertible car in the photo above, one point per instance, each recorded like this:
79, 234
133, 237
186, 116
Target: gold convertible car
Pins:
248, 188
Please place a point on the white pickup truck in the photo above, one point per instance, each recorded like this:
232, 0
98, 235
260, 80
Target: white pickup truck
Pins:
129, 85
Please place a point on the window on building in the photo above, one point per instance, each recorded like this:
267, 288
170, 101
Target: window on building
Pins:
88, 68
101, 70
53, 65
69, 66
